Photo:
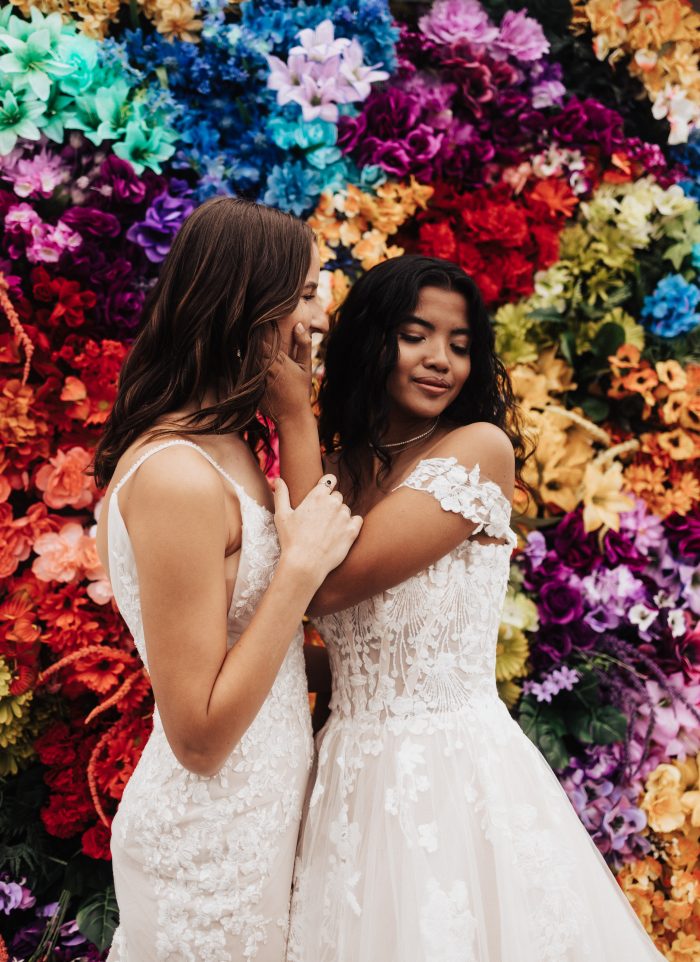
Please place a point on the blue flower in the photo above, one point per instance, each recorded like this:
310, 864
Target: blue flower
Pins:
670, 310
293, 187
695, 257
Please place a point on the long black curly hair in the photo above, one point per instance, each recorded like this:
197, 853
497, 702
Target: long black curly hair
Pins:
362, 350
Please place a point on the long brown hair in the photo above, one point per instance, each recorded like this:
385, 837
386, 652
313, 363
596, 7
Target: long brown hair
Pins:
235, 269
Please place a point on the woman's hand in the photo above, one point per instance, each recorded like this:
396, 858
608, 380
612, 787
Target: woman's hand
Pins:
288, 388
317, 535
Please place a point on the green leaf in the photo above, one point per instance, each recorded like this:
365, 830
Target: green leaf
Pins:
98, 916
580, 723
607, 340
567, 344
596, 409
608, 726
545, 728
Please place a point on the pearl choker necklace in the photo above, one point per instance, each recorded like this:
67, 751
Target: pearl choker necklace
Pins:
418, 437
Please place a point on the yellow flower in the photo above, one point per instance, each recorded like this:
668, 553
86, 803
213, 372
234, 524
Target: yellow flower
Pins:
603, 500
662, 799
509, 692
512, 652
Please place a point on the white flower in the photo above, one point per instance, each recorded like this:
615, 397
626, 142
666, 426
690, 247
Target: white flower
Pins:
642, 616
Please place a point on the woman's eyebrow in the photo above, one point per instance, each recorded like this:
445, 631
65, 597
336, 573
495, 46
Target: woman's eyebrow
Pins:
421, 322
310, 286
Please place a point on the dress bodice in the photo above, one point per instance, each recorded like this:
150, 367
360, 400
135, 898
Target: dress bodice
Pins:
428, 644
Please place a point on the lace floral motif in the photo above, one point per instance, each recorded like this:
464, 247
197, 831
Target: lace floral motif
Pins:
216, 853
435, 830
460, 490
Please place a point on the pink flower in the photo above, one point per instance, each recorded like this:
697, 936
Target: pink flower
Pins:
64, 480
33, 176
520, 37
452, 21
320, 44
358, 77
66, 555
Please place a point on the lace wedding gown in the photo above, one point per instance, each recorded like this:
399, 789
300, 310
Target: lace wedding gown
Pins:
203, 866
435, 831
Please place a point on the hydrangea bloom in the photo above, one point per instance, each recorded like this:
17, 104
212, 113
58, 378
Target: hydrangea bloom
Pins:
671, 309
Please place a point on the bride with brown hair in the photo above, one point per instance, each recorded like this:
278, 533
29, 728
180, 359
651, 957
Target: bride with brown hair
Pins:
213, 587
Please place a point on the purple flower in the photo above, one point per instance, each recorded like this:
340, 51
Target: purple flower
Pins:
388, 114
576, 548
520, 37
609, 594
451, 21
607, 810
124, 307
14, 895
89, 220
162, 221
556, 642
644, 526
619, 549
560, 602
584, 122
683, 533
561, 679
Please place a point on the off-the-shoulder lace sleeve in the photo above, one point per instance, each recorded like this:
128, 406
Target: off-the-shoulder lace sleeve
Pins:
460, 490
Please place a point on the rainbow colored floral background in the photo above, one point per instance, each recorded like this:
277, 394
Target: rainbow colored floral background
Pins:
550, 148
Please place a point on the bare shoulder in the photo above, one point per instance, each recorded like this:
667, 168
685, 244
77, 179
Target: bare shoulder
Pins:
484, 444
177, 481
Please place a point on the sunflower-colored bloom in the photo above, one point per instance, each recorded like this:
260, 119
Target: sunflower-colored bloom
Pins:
603, 500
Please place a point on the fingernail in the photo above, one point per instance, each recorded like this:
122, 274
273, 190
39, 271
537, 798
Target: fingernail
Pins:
300, 328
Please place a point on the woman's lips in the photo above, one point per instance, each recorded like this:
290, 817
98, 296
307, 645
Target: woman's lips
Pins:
433, 388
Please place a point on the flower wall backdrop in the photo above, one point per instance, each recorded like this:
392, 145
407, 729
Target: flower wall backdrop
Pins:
551, 149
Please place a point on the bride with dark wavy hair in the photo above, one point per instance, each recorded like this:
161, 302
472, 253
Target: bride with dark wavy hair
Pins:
213, 587
434, 831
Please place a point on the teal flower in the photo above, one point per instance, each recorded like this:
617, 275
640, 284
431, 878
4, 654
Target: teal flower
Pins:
80, 54
17, 119
113, 109
144, 148
33, 57
59, 112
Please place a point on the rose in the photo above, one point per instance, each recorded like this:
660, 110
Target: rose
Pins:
559, 603
574, 546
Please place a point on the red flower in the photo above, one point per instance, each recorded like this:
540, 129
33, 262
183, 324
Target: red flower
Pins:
70, 302
56, 745
96, 842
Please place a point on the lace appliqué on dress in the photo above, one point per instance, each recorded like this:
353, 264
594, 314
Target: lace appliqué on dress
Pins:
460, 490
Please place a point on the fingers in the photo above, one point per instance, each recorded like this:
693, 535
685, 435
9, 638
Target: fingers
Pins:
282, 504
302, 347
328, 482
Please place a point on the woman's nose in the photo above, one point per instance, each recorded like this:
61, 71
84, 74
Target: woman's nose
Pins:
319, 322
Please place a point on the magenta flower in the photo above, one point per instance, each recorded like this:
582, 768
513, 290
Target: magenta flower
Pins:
520, 37
451, 21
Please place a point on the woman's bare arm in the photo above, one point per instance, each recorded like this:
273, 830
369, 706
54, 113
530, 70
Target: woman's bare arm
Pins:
408, 530
207, 695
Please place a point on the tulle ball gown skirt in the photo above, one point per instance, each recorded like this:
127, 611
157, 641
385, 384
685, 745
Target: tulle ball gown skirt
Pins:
449, 839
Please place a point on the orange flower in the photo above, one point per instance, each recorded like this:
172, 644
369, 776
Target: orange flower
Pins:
625, 358
66, 554
556, 196
642, 381
678, 444
671, 374
64, 480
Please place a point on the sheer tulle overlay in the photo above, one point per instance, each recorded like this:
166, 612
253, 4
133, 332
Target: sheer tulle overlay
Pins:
203, 866
435, 830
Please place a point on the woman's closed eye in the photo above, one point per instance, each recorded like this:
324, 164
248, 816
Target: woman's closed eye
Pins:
461, 349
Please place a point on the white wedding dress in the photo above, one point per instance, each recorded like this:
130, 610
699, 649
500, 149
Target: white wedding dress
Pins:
435, 831
203, 866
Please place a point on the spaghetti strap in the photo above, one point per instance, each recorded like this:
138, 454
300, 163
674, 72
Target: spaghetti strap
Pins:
168, 444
